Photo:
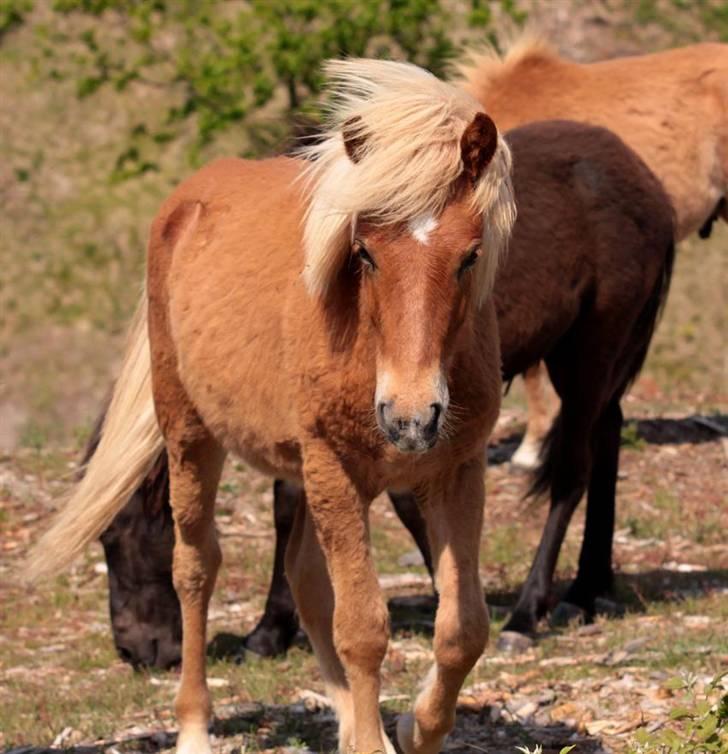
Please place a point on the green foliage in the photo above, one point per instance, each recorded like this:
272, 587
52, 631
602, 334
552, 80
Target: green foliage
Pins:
715, 16
12, 13
222, 63
702, 723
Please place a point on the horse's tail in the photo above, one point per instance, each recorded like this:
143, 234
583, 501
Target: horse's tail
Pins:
130, 443
644, 328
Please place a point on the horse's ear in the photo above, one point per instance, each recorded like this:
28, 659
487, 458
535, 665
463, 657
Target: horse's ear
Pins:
478, 145
354, 138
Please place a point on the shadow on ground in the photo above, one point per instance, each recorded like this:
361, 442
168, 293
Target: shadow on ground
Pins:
316, 731
416, 614
689, 429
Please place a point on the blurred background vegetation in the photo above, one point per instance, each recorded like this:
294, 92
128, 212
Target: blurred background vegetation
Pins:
106, 104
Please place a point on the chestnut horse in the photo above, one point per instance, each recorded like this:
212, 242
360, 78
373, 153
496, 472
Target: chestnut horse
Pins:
317, 318
671, 107
587, 271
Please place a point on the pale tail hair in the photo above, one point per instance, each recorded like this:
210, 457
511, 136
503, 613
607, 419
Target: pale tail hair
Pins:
130, 443
409, 124
479, 68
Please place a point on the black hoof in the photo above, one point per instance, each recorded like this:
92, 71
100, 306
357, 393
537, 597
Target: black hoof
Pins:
609, 608
230, 647
267, 642
513, 642
566, 614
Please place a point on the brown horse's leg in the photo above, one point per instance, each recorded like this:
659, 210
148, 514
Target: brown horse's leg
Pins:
595, 575
278, 626
312, 590
406, 507
454, 515
567, 468
360, 624
540, 414
194, 473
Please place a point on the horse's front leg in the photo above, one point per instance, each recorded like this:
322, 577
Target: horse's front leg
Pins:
453, 510
360, 619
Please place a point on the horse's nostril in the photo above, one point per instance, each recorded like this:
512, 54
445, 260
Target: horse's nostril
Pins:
381, 406
125, 655
432, 425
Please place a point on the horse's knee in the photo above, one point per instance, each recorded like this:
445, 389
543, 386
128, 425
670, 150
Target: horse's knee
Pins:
461, 635
361, 637
195, 566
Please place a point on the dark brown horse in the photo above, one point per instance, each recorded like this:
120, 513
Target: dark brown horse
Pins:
587, 273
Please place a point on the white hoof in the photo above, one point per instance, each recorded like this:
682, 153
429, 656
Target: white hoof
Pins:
406, 732
410, 739
527, 455
193, 740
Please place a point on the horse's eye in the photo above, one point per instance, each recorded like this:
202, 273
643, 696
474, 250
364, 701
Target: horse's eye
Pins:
469, 261
361, 253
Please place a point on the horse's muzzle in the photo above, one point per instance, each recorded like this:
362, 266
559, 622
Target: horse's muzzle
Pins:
416, 433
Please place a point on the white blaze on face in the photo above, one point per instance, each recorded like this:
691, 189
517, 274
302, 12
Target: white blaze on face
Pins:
384, 381
421, 227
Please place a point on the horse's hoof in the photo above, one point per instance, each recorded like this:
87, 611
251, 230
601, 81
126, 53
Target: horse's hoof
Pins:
527, 455
609, 608
406, 732
513, 642
410, 738
566, 614
269, 642
193, 739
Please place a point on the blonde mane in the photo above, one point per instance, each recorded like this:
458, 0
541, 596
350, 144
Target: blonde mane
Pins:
409, 125
479, 68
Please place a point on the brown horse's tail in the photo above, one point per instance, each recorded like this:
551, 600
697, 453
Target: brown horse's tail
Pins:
130, 443
644, 328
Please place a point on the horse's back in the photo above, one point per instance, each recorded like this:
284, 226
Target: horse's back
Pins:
670, 107
594, 227
225, 252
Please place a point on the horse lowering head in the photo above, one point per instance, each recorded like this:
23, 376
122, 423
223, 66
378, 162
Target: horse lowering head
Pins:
412, 198
145, 612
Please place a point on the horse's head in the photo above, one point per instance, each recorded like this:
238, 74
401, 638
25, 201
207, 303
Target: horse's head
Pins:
413, 194
145, 611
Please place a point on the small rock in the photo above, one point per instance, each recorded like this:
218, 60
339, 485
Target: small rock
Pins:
635, 644
591, 629
411, 558
526, 711
313, 701
546, 697
513, 642
62, 737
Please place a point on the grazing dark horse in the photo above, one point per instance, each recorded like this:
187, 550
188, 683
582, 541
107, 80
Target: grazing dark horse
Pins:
587, 273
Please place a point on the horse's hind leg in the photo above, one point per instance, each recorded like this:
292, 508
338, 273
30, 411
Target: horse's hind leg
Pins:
540, 415
453, 510
195, 463
406, 507
278, 626
595, 575
568, 461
